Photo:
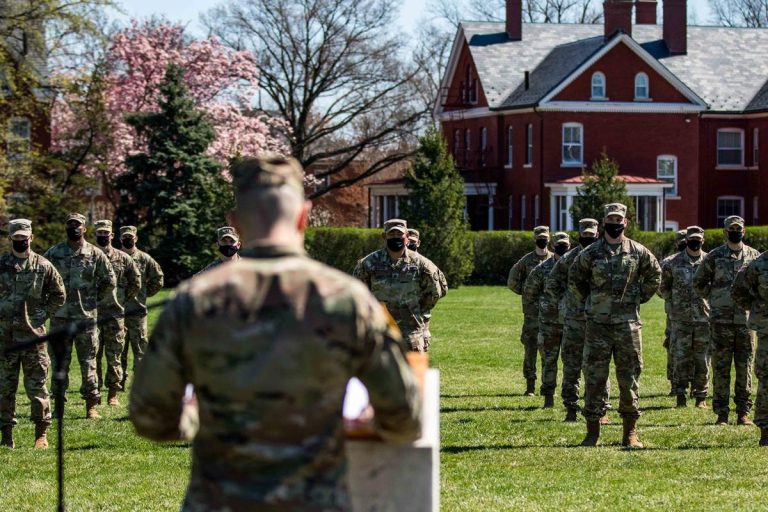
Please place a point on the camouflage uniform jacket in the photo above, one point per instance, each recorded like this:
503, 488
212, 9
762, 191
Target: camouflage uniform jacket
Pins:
31, 291
667, 305
215, 263
519, 273
556, 289
713, 281
269, 343
533, 291
151, 281
676, 288
128, 280
408, 287
88, 278
750, 292
613, 285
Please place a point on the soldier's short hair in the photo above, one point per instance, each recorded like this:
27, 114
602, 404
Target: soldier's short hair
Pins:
267, 170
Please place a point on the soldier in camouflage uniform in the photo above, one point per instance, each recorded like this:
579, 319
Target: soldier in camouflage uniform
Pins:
613, 276
136, 319
111, 314
516, 282
269, 343
229, 245
750, 291
689, 315
407, 283
31, 290
731, 339
414, 242
89, 281
550, 325
680, 245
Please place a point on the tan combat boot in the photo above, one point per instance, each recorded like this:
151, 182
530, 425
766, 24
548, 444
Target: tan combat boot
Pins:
605, 420
744, 421
763, 436
41, 435
7, 439
701, 403
112, 400
630, 439
90, 408
593, 433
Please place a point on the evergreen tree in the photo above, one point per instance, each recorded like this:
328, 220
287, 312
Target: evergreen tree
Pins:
600, 186
436, 208
174, 193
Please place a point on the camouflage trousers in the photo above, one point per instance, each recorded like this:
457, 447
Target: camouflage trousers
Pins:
549, 339
111, 343
573, 355
670, 353
761, 371
529, 337
690, 344
624, 343
427, 335
136, 340
34, 362
85, 343
731, 344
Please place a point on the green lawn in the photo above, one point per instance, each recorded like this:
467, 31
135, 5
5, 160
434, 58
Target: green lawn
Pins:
500, 450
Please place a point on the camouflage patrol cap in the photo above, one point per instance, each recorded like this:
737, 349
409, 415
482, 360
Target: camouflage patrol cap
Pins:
128, 231
79, 217
267, 170
615, 209
20, 227
562, 238
227, 231
694, 232
680, 235
413, 234
541, 232
733, 220
588, 226
396, 225
103, 225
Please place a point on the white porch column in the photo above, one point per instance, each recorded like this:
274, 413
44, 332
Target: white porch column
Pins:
568, 219
490, 212
553, 210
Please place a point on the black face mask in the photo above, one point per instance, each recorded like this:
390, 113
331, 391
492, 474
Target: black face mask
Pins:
735, 236
586, 241
102, 240
694, 245
395, 244
75, 234
228, 250
682, 245
412, 247
129, 243
20, 246
561, 249
541, 243
614, 230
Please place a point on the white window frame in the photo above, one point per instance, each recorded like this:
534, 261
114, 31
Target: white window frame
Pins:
579, 144
598, 76
529, 145
646, 85
671, 225
728, 198
483, 146
674, 193
510, 147
522, 212
740, 165
756, 147
12, 139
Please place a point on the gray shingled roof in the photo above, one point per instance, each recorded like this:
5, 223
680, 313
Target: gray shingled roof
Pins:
726, 67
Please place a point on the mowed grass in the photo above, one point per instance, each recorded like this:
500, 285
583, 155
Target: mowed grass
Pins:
500, 450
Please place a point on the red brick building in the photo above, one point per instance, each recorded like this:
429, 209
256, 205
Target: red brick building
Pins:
684, 111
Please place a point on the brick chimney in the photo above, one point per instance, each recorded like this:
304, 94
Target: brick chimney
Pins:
514, 20
645, 12
618, 16
675, 26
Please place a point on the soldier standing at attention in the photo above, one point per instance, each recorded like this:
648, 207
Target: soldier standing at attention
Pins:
89, 281
407, 283
731, 339
136, 320
680, 246
414, 242
516, 282
112, 314
613, 276
229, 245
550, 326
289, 334
750, 291
689, 314
31, 290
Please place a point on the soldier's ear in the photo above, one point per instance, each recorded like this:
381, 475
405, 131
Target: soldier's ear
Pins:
303, 221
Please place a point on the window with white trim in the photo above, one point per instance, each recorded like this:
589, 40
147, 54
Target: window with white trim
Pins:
483, 145
666, 170
573, 144
598, 86
561, 208
467, 145
529, 145
536, 210
509, 146
522, 211
19, 136
727, 206
641, 87
730, 147
756, 147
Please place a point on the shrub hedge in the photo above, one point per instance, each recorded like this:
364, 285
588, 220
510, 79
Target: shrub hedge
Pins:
494, 251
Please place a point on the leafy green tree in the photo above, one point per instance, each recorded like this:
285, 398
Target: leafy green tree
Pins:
436, 208
173, 192
600, 186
